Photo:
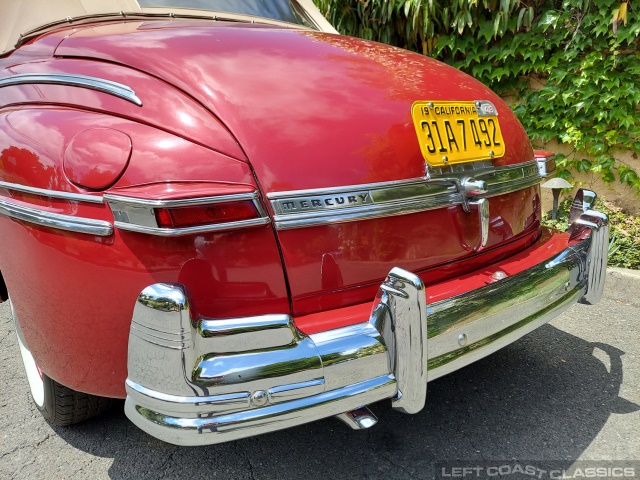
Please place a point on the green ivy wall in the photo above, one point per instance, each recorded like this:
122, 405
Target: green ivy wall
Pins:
571, 69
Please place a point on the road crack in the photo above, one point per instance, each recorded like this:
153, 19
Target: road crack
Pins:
243, 453
476, 449
398, 465
166, 463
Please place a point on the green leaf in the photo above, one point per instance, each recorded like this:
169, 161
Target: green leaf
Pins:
520, 18
485, 30
583, 165
461, 24
496, 24
548, 20
627, 175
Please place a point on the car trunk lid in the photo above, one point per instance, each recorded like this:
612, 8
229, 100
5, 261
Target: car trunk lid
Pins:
327, 120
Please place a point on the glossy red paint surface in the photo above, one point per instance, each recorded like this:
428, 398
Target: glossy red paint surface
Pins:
304, 105
97, 157
158, 156
337, 113
548, 245
338, 265
164, 107
228, 108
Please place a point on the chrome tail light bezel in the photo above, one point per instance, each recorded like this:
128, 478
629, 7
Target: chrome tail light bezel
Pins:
139, 214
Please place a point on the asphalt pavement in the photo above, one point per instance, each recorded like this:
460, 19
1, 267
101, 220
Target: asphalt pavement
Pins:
565, 394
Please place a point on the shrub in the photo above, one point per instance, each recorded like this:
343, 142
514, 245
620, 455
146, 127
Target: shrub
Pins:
624, 234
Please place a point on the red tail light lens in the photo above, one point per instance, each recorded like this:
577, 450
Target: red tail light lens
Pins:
192, 216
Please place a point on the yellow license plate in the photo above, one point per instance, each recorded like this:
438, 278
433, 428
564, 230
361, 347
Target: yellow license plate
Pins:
457, 132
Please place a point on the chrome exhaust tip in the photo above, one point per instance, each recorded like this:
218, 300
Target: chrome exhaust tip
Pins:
359, 419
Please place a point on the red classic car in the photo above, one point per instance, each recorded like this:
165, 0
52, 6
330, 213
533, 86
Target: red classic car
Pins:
240, 221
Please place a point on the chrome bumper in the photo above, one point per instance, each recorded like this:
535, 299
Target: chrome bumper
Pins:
199, 381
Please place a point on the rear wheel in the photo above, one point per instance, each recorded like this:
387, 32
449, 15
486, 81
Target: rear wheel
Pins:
58, 404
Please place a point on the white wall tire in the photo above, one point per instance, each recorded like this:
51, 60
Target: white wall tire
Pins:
58, 404
34, 376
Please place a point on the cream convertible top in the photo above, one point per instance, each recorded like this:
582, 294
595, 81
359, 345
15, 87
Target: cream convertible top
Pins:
21, 16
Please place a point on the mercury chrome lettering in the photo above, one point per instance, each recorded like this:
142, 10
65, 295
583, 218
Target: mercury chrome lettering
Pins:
321, 202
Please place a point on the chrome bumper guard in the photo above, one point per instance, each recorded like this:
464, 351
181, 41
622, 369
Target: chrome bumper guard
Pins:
201, 381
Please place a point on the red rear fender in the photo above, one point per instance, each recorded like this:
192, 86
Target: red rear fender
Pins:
74, 292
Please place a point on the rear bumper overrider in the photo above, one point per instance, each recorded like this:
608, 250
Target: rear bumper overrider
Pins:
198, 381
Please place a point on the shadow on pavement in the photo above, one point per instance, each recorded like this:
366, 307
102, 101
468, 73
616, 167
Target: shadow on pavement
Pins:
545, 397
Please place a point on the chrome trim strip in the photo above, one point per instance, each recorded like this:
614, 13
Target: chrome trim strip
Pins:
369, 201
235, 399
285, 222
201, 394
289, 392
185, 202
56, 220
459, 169
177, 232
138, 215
511, 186
76, 197
451, 186
209, 430
83, 81
347, 188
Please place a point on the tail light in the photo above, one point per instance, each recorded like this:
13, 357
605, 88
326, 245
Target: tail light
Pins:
214, 214
187, 216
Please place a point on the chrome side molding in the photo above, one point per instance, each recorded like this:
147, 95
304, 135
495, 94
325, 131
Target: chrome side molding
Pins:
83, 81
44, 192
55, 220
130, 213
442, 186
